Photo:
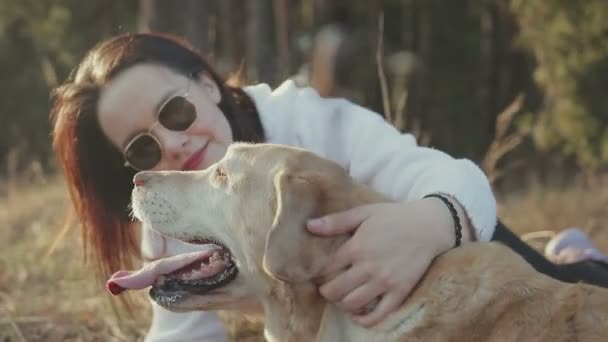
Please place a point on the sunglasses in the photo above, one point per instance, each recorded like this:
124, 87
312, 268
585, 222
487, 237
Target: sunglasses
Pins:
145, 151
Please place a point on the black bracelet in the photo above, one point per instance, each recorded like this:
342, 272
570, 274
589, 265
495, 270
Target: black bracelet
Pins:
457, 226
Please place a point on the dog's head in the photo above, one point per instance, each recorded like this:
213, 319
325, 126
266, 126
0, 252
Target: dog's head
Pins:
250, 210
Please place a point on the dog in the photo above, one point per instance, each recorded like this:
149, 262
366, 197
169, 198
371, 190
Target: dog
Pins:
249, 211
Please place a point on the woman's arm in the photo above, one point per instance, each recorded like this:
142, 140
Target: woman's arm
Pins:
392, 244
375, 153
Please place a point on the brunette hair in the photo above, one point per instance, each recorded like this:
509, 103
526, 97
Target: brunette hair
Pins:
99, 184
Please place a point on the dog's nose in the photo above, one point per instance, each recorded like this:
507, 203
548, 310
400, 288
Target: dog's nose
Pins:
141, 178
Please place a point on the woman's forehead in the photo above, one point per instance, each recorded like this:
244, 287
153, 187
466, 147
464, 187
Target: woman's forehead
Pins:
136, 81
128, 102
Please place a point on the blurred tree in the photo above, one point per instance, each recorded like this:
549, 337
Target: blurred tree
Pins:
41, 41
569, 40
260, 47
450, 67
191, 19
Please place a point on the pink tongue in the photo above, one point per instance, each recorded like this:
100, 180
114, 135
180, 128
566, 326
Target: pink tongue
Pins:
147, 275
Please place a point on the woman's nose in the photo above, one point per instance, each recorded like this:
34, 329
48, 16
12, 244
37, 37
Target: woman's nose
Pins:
173, 143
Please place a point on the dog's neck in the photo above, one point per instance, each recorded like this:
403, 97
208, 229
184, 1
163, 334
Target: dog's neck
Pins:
293, 313
300, 313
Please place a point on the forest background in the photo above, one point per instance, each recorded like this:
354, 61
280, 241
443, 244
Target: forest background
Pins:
518, 86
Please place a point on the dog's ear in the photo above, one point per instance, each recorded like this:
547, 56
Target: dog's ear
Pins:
293, 254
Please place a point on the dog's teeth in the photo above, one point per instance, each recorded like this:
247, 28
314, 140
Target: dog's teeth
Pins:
194, 274
215, 257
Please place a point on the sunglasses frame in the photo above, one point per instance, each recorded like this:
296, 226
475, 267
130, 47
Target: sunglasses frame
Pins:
148, 132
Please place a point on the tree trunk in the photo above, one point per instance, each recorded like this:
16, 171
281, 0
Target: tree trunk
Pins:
228, 34
260, 59
185, 18
160, 16
197, 25
281, 18
490, 64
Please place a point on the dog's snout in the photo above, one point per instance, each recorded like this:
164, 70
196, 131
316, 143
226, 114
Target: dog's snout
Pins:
141, 178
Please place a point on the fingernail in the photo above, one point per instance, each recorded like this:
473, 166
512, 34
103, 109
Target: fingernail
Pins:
323, 290
356, 318
360, 320
316, 223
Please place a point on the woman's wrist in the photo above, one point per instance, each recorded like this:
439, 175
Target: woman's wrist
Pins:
444, 222
468, 234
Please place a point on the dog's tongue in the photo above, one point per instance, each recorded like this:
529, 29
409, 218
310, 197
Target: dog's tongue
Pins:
147, 275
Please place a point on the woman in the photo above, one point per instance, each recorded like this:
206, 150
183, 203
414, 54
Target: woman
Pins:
150, 102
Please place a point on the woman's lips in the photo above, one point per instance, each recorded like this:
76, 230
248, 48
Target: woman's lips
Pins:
195, 159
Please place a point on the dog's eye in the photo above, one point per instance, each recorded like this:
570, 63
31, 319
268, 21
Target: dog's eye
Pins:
219, 172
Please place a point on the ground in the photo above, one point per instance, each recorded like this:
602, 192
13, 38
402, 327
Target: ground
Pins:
47, 292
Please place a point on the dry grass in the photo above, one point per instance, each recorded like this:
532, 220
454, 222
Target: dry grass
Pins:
582, 204
57, 299
54, 297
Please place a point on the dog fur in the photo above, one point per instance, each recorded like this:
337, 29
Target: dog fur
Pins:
255, 201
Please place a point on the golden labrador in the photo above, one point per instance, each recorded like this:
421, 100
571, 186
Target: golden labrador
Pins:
249, 210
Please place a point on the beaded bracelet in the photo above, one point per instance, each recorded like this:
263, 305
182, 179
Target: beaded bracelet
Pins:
455, 217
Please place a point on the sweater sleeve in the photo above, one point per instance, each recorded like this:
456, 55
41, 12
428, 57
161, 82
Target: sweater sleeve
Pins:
376, 153
169, 326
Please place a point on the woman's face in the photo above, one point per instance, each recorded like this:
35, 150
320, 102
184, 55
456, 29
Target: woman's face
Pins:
129, 105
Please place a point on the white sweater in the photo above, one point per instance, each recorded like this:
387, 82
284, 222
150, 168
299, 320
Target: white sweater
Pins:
372, 151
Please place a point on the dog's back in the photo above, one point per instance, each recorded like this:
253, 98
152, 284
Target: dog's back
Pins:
485, 292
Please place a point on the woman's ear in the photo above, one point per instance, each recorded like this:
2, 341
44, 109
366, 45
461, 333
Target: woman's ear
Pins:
211, 87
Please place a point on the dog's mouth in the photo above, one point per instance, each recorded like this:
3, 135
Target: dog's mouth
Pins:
174, 279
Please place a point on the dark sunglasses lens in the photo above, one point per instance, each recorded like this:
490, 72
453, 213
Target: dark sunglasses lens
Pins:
144, 153
177, 114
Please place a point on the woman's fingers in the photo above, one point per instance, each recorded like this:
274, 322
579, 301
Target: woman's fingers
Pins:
388, 304
362, 299
338, 287
339, 223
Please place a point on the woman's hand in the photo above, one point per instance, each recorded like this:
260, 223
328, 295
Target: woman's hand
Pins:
392, 246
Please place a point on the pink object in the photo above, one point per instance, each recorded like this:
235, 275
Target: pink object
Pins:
573, 245
148, 275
